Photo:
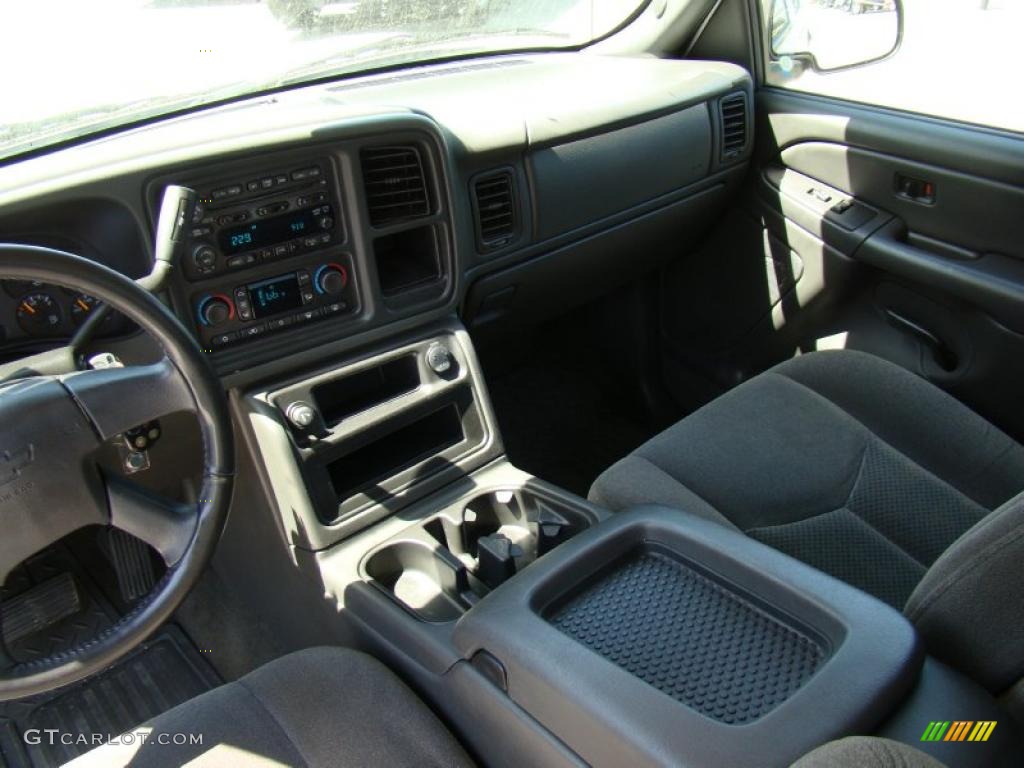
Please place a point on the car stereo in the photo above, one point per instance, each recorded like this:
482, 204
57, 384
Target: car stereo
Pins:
242, 223
241, 229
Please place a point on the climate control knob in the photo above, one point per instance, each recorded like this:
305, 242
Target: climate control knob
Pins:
215, 309
330, 279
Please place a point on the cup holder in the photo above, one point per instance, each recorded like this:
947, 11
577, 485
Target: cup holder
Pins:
421, 578
439, 568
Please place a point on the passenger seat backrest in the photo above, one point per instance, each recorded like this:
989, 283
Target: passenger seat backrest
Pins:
969, 607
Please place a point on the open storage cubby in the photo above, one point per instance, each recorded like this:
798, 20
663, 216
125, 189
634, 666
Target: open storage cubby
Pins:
442, 566
407, 259
343, 397
380, 461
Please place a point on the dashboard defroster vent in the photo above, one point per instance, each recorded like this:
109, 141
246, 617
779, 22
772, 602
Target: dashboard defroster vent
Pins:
733, 112
494, 203
395, 184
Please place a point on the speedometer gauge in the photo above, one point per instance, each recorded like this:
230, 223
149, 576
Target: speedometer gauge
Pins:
39, 314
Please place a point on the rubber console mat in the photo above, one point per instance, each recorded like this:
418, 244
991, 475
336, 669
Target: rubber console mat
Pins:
160, 674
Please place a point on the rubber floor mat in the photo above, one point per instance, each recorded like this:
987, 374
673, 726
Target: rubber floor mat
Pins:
160, 674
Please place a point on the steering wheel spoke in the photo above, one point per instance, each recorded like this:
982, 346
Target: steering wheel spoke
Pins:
117, 399
54, 420
166, 525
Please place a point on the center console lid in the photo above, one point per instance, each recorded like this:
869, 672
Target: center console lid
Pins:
658, 638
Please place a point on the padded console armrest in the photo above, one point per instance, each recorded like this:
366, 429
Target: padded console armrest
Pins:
657, 638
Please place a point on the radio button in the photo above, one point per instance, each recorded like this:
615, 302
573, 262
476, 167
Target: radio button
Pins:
200, 231
303, 277
233, 190
253, 331
252, 186
266, 182
307, 297
281, 178
205, 258
325, 222
242, 260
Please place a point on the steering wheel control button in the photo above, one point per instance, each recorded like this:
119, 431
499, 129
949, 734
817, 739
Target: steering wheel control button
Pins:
301, 414
439, 358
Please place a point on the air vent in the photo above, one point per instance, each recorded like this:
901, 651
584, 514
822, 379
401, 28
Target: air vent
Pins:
733, 111
395, 185
494, 201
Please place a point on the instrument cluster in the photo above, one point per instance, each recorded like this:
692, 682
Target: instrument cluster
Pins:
37, 312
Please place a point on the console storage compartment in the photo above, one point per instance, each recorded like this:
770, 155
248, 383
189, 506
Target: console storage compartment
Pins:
670, 640
376, 434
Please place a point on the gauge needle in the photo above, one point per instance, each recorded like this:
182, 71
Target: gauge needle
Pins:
26, 306
82, 304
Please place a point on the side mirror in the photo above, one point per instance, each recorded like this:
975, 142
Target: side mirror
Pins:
830, 35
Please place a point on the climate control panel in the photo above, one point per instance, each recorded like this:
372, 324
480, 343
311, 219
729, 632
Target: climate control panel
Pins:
236, 312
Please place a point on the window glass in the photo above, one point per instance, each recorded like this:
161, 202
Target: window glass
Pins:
958, 59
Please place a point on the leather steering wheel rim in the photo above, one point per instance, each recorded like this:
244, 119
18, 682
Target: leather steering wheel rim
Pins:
21, 262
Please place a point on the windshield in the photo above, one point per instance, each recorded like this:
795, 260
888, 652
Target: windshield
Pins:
72, 67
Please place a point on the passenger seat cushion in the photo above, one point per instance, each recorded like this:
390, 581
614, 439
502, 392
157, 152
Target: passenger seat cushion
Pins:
840, 459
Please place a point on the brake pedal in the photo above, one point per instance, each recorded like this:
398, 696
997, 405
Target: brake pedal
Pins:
40, 607
132, 564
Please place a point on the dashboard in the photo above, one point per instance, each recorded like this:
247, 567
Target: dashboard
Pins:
332, 216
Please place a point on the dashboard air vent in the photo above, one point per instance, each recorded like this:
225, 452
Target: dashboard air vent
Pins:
733, 111
395, 185
494, 201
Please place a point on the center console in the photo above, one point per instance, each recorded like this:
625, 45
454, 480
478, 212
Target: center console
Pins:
546, 630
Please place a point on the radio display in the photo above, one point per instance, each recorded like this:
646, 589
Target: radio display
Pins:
257, 234
276, 294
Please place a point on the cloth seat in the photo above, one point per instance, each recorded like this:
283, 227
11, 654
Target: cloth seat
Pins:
867, 472
318, 707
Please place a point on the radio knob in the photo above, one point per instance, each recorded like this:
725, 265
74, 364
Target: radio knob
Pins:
331, 279
325, 222
205, 258
216, 309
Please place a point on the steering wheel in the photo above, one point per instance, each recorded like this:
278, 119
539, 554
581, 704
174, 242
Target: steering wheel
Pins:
53, 421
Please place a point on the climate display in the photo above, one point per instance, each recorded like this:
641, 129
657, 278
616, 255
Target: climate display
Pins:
248, 237
278, 294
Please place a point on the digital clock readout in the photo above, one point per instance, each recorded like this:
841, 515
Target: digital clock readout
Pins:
277, 294
258, 234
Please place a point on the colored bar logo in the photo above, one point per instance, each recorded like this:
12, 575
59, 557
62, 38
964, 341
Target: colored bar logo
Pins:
958, 730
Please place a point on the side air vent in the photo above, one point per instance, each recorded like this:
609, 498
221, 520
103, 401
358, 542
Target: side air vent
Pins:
733, 111
395, 184
494, 202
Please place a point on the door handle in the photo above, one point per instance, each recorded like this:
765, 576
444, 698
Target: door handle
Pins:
945, 357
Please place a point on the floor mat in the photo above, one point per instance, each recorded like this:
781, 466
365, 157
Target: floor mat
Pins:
561, 422
162, 673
